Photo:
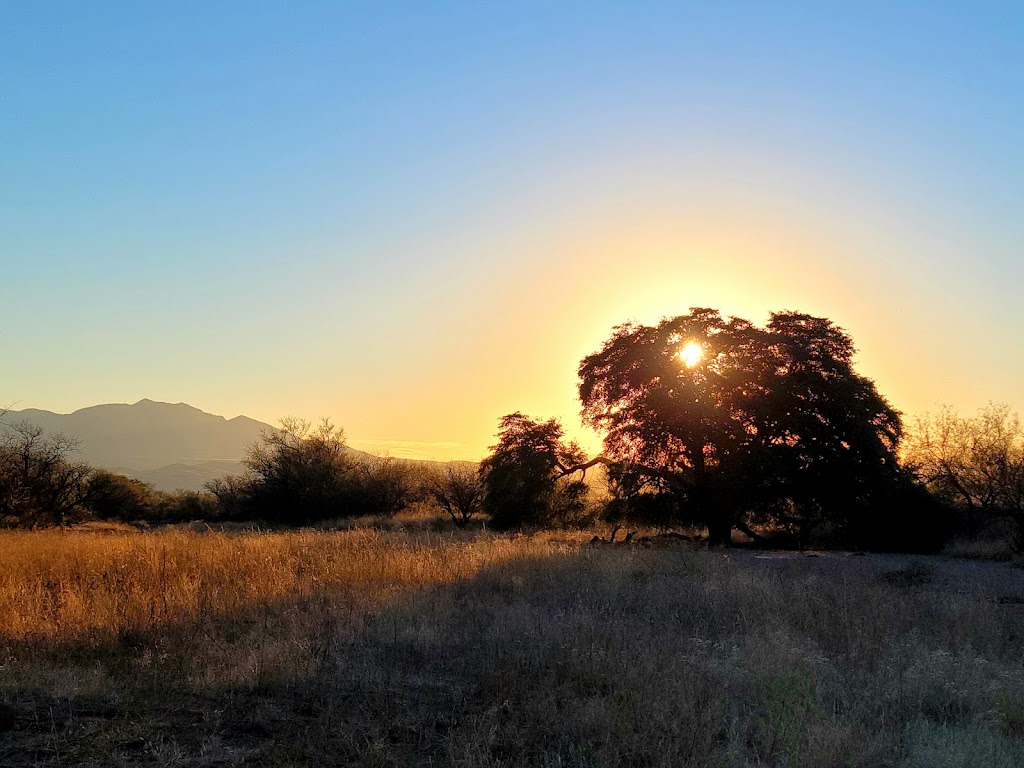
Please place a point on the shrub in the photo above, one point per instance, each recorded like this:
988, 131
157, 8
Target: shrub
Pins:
117, 497
457, 490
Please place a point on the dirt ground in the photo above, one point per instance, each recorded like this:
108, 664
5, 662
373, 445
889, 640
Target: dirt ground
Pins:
1003, 582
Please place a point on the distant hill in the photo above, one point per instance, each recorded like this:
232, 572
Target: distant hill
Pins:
149, 435
173, 446
184, 476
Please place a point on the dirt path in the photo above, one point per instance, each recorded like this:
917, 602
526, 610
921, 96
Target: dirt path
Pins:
1003, 582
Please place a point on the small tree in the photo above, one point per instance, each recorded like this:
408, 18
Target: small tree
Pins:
527, 479
39, 484
456, 489
233, 495
296, 474
976, 463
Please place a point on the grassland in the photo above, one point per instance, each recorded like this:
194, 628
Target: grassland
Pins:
393, 649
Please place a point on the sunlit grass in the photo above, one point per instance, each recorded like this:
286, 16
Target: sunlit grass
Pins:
64, 584
369, 648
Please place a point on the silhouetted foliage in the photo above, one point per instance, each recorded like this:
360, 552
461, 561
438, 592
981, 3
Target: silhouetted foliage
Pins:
457, 490
115, 497
975, 463
186, 506
904, 516
296, 475
527, 479
385, 485
39, 484
233, 495
299, 475
769, 425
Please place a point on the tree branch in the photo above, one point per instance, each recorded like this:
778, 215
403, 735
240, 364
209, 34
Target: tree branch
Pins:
566, 471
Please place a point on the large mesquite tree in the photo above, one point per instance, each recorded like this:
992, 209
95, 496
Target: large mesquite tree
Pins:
735, 423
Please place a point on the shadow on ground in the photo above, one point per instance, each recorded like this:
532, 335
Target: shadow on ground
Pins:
594, 658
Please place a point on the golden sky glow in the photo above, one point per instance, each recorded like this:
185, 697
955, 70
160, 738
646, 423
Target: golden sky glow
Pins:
315, 211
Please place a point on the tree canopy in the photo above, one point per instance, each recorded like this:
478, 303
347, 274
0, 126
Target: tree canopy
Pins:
527, 478
730, 423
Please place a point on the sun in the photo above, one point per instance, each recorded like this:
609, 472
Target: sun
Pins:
691, 353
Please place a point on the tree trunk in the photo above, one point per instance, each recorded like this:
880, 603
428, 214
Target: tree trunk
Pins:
1018, 534
717, 518
719, 529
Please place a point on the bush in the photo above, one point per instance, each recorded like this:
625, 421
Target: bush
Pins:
186, 506
297, 476
383, 486
456, 489
905, 518
117, 497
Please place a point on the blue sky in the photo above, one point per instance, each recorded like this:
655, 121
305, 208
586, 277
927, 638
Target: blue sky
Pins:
415, 217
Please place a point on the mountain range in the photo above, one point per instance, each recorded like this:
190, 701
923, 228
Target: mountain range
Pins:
170, 445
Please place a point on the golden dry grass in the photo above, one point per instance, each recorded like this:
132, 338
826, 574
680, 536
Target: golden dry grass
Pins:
62, 585
393, 649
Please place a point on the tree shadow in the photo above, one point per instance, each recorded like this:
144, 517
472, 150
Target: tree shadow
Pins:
610, 657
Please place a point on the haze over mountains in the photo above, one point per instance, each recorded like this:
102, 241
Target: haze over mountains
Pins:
171, 445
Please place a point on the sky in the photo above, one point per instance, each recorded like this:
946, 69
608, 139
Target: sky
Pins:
416, 217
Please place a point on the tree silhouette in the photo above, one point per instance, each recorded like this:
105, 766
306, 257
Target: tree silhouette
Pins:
456, 489
976, 463
758, 424
39, 484
385, 485
527, 478
296, 474
117, 497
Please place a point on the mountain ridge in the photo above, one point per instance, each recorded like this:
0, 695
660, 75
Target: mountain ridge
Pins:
171, 445
148, 434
